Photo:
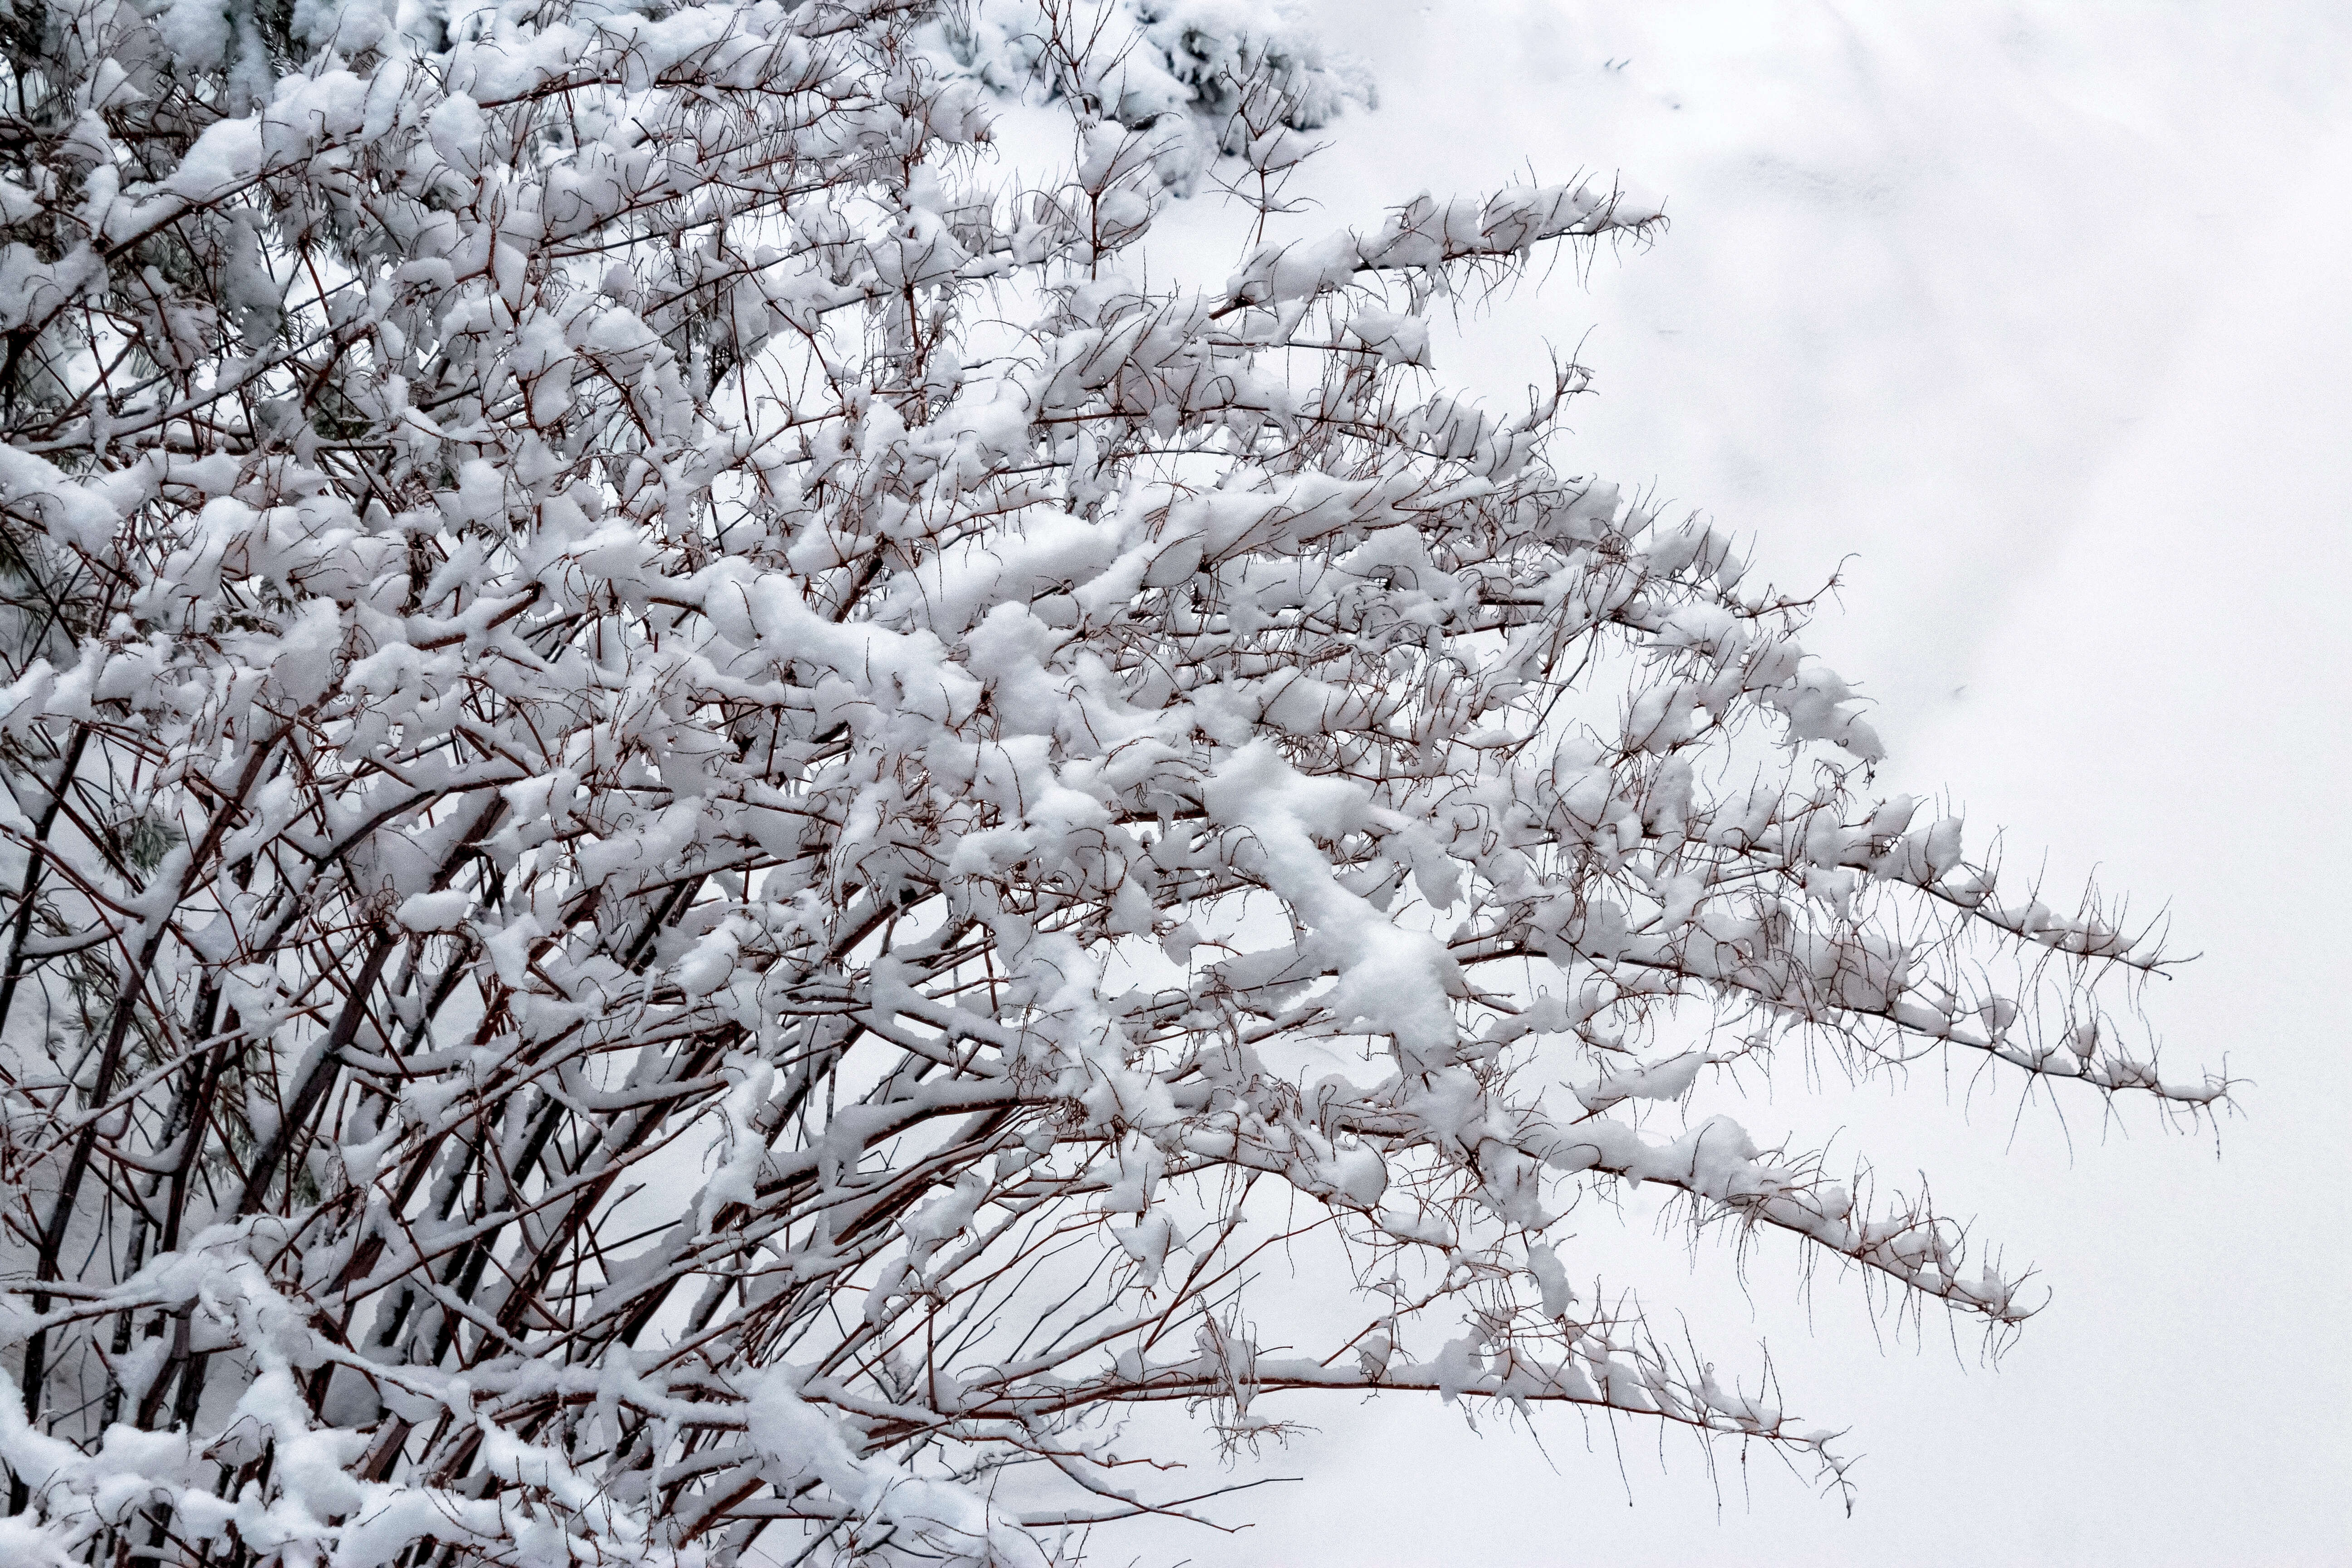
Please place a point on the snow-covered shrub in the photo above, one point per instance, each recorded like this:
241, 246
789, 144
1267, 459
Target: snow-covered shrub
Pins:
683, 784
1192, 71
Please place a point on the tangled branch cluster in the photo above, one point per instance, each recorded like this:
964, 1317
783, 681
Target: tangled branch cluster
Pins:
681, 785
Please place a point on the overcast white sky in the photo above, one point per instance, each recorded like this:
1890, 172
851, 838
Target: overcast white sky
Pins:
2040, 313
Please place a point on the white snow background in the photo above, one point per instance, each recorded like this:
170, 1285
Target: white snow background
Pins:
2041, 313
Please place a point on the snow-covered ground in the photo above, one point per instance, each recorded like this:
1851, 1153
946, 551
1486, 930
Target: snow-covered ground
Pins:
2037, 316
